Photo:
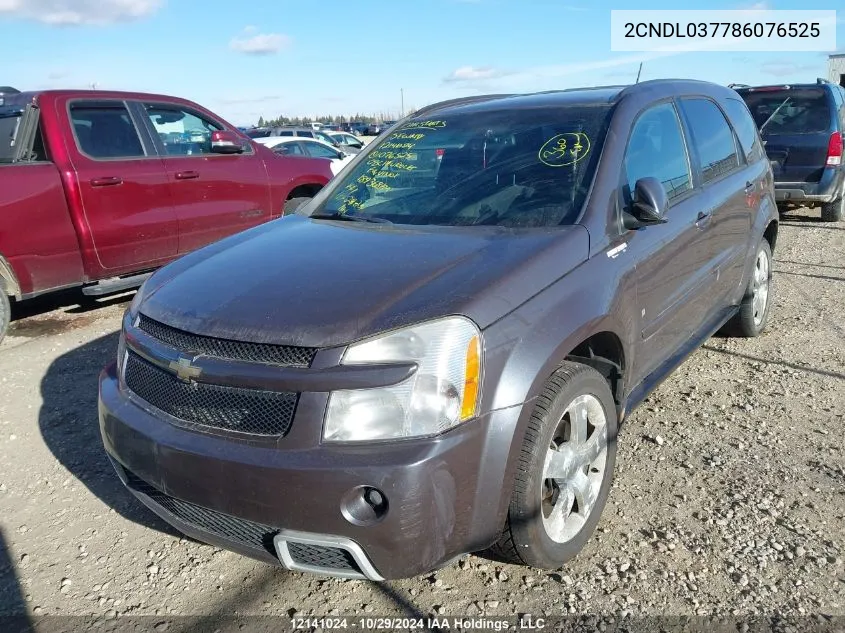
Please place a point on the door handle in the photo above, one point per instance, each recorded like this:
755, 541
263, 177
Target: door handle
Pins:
187, 175
750, 187
703, 218
106, 181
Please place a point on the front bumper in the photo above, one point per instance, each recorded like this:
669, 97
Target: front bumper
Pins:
274, 503
827, 189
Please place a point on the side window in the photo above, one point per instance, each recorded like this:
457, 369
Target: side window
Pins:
285, 133
105, 130
306, 133
320, 151
745, 128
712, 138
656, 149
182, 132
289, 149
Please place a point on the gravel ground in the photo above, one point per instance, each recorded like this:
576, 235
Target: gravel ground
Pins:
729, 496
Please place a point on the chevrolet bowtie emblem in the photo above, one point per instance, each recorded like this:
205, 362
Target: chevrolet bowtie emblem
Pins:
184, 369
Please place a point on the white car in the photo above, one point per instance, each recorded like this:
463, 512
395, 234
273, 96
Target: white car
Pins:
345, 139
307, 147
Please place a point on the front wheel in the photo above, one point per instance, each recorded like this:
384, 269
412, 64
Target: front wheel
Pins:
753, 315
564, 472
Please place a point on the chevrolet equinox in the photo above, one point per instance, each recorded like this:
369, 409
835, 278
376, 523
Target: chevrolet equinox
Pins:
433, 356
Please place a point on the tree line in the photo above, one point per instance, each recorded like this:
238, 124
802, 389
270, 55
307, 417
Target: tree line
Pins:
336, 119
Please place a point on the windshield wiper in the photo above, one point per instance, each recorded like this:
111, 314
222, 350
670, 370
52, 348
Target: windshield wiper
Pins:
772, 116
348, 218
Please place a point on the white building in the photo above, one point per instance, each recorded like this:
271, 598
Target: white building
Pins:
836, 68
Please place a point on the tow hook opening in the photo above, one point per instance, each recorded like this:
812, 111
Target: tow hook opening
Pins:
364, 505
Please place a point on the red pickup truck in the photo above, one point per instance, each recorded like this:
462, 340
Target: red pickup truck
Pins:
98, 189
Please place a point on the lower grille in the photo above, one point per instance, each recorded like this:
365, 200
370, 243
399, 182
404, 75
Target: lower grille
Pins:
250, 411
247, 533
322, 556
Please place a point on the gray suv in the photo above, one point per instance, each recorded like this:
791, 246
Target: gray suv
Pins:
433, 356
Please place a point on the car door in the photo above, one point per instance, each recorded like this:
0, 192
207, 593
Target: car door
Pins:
744, 194
318, 150
123, 187
214, 195
672, 257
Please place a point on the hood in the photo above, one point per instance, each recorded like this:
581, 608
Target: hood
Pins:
317, 283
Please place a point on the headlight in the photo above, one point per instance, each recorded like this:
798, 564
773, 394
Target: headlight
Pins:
137, 299
441, 394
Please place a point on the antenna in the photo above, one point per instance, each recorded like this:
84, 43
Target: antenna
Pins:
638, 73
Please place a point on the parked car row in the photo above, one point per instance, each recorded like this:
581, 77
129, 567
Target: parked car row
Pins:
99, 188
443, 342
342, 141
308, 147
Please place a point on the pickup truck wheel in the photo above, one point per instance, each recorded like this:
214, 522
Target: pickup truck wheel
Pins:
5, 313
834, 211
564, 472
753, 313
293, 204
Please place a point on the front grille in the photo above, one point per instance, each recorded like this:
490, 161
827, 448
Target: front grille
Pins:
322, 556
286, 355
268, 413
247, 533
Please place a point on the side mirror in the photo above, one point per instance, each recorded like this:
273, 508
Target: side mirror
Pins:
341, 154
649, 205
226, 142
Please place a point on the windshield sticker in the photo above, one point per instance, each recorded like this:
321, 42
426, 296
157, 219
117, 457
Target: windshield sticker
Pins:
565, 149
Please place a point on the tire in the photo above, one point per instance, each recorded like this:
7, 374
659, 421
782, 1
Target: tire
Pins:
5, 313
834, 211
539, 531
753, 315
294, 203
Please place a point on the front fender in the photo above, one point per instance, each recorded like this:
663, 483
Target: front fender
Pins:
525, 348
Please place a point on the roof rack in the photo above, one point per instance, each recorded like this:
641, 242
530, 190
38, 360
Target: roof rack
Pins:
822, 80
733, 86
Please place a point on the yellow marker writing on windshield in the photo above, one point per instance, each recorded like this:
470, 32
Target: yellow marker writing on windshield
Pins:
564, 149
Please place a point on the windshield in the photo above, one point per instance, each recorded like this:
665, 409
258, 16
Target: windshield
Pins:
789, 111
510, 167
8, 130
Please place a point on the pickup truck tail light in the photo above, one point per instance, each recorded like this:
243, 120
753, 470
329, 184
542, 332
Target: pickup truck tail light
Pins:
834, 149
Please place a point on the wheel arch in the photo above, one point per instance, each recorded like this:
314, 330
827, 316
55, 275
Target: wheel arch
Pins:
8, 280
600, 344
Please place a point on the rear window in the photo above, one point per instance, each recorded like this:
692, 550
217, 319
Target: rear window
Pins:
258, 133
8, 131
513, 168
802, 111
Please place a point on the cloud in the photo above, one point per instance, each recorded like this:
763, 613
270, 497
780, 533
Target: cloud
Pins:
80, 12
471, 74
258, 44
785, 68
